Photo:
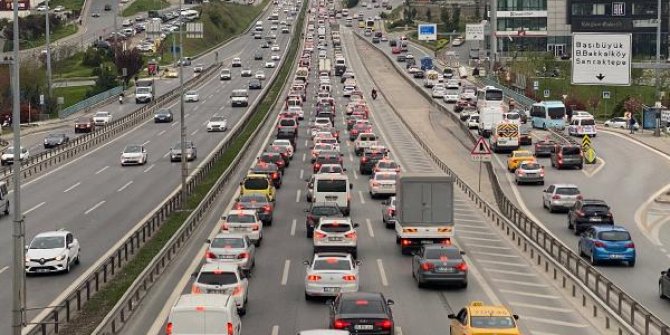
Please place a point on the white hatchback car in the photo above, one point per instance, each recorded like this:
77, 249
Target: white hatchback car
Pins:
243, 222
275, 47
287, 144
383, 183
260, 75
275, 57
222, 278
329, 274
217, 123
53, 251
232, 248
270, 64
7, 156
336, 234
191, 96
134, 155
237, 62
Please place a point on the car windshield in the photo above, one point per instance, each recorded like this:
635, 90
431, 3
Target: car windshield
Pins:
287, 122
361, 306
385, 176
567, 191
337, 185
335, 227
387, 165
530, 166
332, 264
439, 253
571, 150
513, 116
217, 278
101, 114
133, 149
588, 122
494, 95
191, 93
256, 184
241, 218
54, 136
163, 112
217, 119
48, 242
614, 236
492, 322
331, 168
253, 198
227, 242
325, 210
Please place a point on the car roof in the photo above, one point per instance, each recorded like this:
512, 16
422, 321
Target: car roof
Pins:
211, 267
52, 233
360, 295
478, 308
604, 227
332, 254
564, 186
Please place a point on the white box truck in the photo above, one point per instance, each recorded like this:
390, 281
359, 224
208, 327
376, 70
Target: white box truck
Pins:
489, 117
324, 66
144, 90
424, 210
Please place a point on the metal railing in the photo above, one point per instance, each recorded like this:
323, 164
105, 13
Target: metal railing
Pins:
91, 103
592, 290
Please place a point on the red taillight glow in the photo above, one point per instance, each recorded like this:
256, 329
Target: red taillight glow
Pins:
364, 159
385, 324
242, 255
237, 290
349, 278
275, 175
462, 267
230, 329
406, 242
313, 278
267, 208
599, 244
224, 226
579, 197
351, 235
319, 235
630, 245
427, 266
168, 328
255, 227
210, 255
340, 324
556, 197
196, 290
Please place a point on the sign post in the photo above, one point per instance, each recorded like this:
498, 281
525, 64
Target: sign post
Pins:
601, 59
474, 32
427, 32
547, 93
589, 152
480, 153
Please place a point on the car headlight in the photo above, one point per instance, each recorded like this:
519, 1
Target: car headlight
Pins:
60, 257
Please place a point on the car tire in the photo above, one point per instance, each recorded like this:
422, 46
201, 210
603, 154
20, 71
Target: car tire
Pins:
580, 250
76, 260
308, 297
464, 285
580, 166
7, 208
389, 225
67, 266
551, 209
544, 204
258, 243
310, 234
242, 311
592, 259
660, 292
631, 263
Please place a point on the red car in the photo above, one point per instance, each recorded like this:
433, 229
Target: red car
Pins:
357, 129
396, 50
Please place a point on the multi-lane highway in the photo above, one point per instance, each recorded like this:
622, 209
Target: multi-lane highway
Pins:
498, 272
100, 201
627, 178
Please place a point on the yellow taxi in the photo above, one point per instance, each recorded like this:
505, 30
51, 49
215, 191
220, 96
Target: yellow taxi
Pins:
518, 156
480, 319
258, 183
171, 73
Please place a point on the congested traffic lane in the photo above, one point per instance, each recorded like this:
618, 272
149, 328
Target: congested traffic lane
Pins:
100, 201
633, 209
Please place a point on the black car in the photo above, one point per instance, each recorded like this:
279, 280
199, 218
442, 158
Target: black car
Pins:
401, 58
258, 202
419, 74
258, 56
393, 43
544, 148
274, 158
265, 45
439, 264
287, 134
255, 84
271, 170
362, 313
163, 115
567, 155
588, 212
369, 159
318, 210
54, 140
375, 40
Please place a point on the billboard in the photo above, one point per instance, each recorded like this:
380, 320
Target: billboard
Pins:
601, 58
427, 32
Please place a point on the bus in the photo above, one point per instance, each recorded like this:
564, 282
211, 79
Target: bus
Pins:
489, 96
548, 114
370, 23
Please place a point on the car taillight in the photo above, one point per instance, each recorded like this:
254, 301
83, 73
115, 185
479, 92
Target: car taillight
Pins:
168, 328
579, 197
313, 278
541, 173
238, 206
385, 324
319, 235
375, 184
364, 159
230, 329
350, 235
341, 324
427, 266
237, 290
196, 290
255, 226
630, 245
520, 172
349, 278
389, 212
609, 214
406, 242
556, 197
599, 244
275, 175
243, 255
224, 226
462, 267
317, 166
267, 208
210, 255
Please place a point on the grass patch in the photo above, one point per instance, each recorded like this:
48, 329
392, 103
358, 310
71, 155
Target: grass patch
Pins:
71, 95
102, 302
56, 34
139, 6
72, 67
437, 45
75, 5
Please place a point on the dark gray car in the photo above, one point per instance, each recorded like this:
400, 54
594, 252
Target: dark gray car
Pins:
191, 152
569, 155
440, 264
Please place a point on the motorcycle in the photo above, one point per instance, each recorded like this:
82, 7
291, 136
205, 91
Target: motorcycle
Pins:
120, 100
374, 95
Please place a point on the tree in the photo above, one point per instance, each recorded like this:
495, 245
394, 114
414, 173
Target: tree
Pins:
131, 60
106, 80
429, 15
632, 105
456, 19
444, 17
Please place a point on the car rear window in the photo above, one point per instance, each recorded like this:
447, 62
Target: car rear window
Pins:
442, 252
385, 176
614, 236
531, 166
227, 242
335, 227
567, 191
241, 218
256, 184
332, 264
287, 122
218, 278
326, 210
361, 306
571, 151
492, 322
595, 208
588, 122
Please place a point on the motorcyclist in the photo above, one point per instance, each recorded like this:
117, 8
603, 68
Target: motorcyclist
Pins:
374, 93
121, 96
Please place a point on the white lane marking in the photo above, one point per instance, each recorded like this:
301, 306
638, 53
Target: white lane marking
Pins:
196, 108
147, 142
161, 132
542, 307
149, 168
476, 232
497, 262
94, 207
187, 115
461, 226
166, 154
275, 330
370, 231
72, 187
304, 156
103, 169
360, 193
4, 269
124, 186
293, 224
597, 169
221, 108
174, 124
479, 239
555, 322
195, 132
351, 157
34, 207
302, 173
469, 220
284, 276
398, 331
297, 196
487, 246
355, 174
382, 273
516, 273
306, 143
518, 282
529, 294
494, 254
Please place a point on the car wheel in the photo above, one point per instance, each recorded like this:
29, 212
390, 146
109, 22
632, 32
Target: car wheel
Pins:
631, 263
581, 251
464, 285
242, 311
7, 208
542, 182
580, 166
308, 297
593, 259
544, 204
607, 125
310, 234
258, 243
551, 209
67, 266
76, 260
660, 292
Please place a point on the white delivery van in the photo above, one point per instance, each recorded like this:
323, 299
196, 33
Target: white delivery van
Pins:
206, 314
333, 188
239, 98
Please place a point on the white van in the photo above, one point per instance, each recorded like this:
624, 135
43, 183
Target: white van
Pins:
582, 126
333, 188
4, 198
259, 26
462, 72
239, 98
207, 314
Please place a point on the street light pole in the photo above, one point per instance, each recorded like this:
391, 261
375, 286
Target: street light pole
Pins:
184, 170
494, 39
116, 12
657, 130
48, 38
18, 233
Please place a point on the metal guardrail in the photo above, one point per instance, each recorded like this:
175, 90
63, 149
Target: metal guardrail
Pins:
585, 283
91, 102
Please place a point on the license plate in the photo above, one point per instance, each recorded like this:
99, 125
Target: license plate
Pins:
363, 327
332, 198
42, 270
427, 242
597, 218
334, 239
226, 256
331, 289
616, 256
444, 269
239, 228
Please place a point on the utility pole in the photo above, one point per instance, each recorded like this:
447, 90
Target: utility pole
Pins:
18, 232
657, 130
184, 169
116, 32
48, 38
493, 8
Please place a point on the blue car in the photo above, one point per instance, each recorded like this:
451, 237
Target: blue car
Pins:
607, 243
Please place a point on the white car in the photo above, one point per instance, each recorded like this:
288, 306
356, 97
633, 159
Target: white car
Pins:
619, 122
386, 165
191, 96
382, 183
270, 64
59, 9
327, 140
101, 118
134, 155
260, 75
275, 57
217, 123
275, 48
453, 83
7, 156
473, 121
53, 251
231, 249
286, 144
298, 110
438, 92
223, 278
237, 62
336, 234
451, 95
332, 168
318, 148
243, 221
329, 274
245, 73
347, 91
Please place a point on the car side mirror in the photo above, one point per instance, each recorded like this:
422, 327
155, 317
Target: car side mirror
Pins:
451, 316
662, 272
28, 247
462, 252
208, 241
330, 302
306, 210
351, 185
516, 317
356, 225
224, 217
390, 302
194, 274
241, 183
305, 262
358, 262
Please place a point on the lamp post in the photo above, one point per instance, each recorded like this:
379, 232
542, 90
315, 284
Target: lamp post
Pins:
657, 130
182, 135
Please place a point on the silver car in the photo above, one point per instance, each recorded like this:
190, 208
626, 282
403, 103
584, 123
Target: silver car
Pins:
560, 196
222, 278
529, 172
388, 212
336, 234
191, 152
232, 248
